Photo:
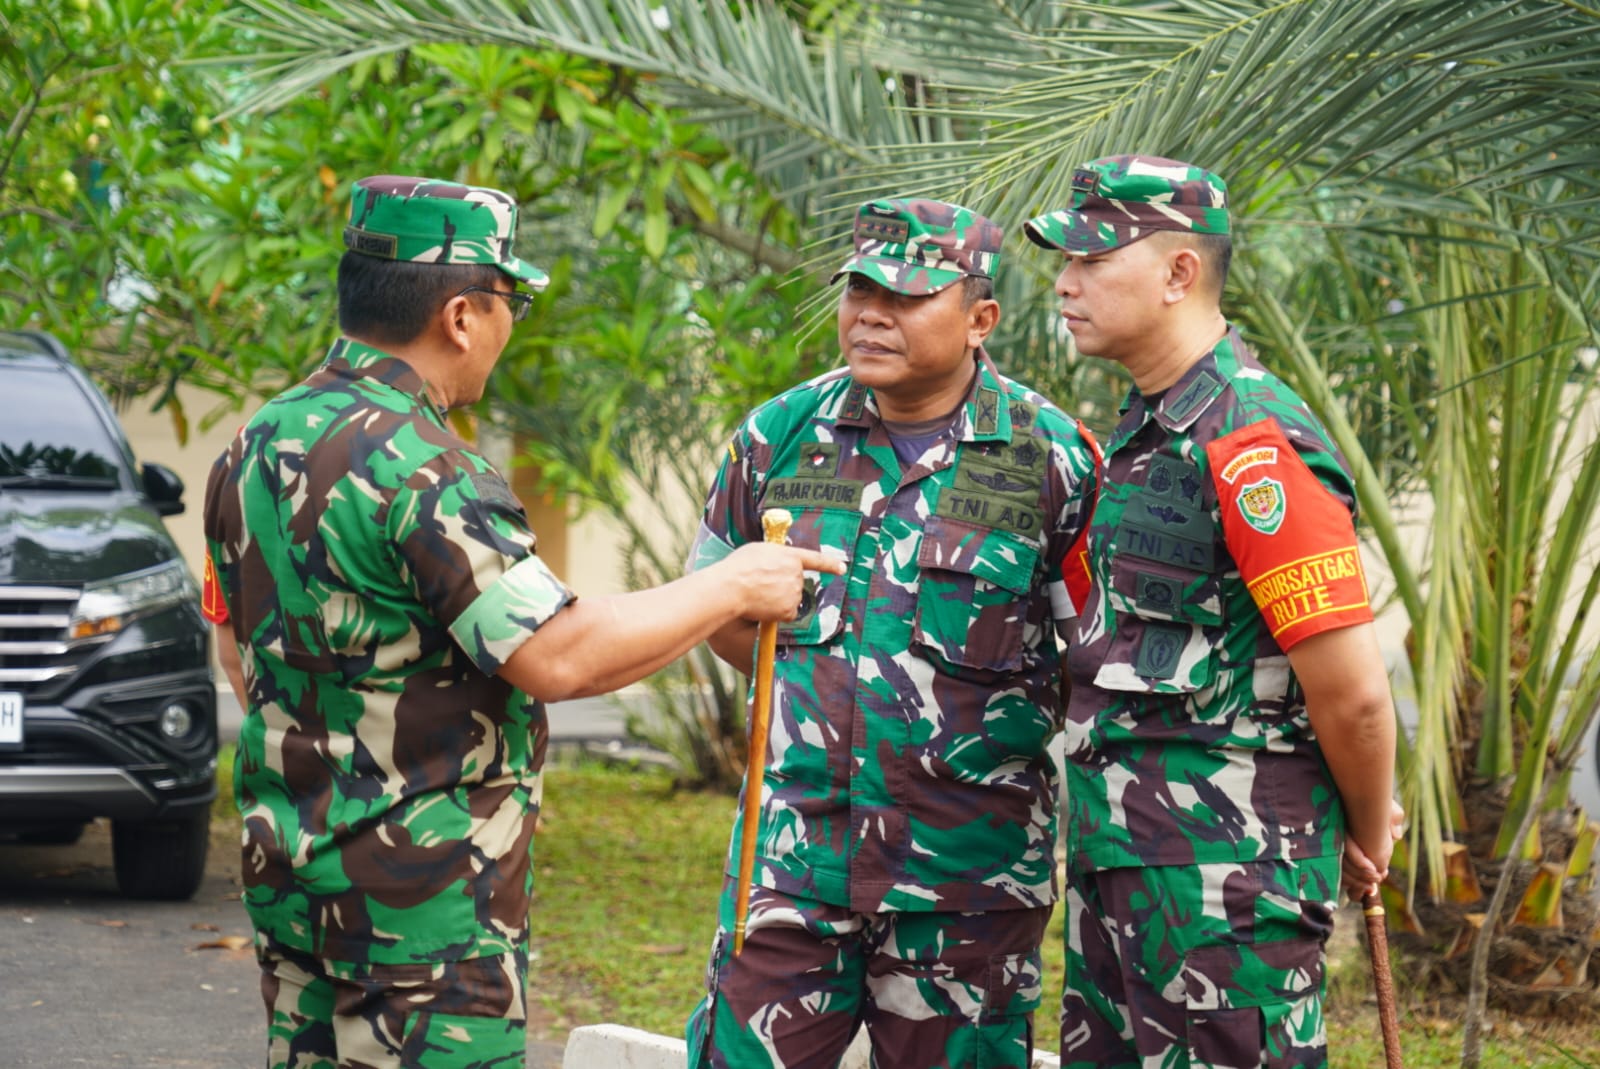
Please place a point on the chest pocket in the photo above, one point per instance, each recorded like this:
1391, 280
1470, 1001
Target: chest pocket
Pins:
972, 596
821, 619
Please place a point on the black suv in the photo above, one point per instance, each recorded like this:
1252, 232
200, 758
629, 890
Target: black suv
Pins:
107, 705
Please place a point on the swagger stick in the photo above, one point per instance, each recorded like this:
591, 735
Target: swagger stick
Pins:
1382, 980
775, 524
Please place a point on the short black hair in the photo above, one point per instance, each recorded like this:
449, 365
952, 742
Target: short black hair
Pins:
1217, 251
392, 300
975, 288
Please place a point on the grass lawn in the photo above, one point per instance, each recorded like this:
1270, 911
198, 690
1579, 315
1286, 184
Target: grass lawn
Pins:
627, 874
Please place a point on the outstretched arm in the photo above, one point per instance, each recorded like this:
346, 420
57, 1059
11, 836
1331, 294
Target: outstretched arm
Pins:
595, 645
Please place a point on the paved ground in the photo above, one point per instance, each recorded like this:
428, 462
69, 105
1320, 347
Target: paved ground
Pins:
88, 978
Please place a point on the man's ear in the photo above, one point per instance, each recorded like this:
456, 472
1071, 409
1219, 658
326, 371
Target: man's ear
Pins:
455, 319
982, 318
1185, 272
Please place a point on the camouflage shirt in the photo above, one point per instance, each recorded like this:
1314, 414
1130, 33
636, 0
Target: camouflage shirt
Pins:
1223, 534
914, 697
376, 572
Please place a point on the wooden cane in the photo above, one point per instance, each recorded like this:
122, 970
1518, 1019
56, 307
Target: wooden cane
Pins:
775, 524
1382, 980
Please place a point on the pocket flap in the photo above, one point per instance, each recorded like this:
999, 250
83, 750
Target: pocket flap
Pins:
834, 532
993, 554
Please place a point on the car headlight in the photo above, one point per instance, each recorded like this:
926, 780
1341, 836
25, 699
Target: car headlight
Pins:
106, 607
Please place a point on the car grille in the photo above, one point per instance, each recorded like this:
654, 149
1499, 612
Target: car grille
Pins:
34, 651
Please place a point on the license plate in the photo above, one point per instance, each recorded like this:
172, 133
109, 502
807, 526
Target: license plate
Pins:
10, 720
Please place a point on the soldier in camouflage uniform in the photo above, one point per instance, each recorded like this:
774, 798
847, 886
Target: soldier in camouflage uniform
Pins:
391, 633
904, 872
1230, 729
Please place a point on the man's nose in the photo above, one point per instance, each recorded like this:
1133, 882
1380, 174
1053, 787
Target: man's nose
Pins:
1067, 280
878, 307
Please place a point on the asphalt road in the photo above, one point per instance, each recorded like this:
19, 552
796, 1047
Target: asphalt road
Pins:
88, 978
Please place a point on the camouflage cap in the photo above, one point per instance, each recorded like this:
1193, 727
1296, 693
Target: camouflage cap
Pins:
426, 220
918, 247
1120, 199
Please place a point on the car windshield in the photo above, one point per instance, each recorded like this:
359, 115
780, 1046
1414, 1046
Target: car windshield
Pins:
50, 435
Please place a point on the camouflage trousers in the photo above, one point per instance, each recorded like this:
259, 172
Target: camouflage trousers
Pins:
1217, 966
454, 1015
953, 990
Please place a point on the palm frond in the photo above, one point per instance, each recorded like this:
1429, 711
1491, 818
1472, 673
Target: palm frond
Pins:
1254, 88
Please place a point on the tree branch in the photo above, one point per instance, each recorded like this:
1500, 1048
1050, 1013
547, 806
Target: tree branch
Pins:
755, 246
45, 214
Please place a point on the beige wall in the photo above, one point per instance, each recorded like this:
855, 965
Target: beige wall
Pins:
155, 439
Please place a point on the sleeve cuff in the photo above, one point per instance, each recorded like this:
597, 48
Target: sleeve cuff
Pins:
709, 548
507, 614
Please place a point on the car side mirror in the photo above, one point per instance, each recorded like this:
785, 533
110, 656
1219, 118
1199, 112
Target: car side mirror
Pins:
164, 489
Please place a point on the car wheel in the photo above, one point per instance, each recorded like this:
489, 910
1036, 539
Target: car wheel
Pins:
161, 859
52, 834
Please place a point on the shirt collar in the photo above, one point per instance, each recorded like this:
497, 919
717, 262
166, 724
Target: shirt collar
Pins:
984, 417
1183, 402
352, 359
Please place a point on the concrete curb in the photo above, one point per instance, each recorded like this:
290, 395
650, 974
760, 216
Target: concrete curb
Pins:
613, 1046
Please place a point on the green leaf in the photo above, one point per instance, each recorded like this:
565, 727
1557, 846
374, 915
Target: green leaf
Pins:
698, 202
611, 205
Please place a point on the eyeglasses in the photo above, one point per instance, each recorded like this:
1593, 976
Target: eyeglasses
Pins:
520, 302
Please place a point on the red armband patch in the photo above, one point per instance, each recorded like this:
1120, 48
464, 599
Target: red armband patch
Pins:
212, 604
1075, 565
1294, 541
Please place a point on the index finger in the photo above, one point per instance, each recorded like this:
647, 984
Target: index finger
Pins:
815, 561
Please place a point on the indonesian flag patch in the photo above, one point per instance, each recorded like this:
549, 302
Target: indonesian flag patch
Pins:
1293, 539
212, 605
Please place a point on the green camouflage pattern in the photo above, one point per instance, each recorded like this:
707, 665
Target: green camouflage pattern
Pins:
933, 989
1187, 739
1120, 199
377, 571
919, 247
915, 695
1217, 966
426, 220
450, 1015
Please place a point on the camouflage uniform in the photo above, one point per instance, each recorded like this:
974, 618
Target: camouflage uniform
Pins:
1203, 827
376, 572
905, 858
